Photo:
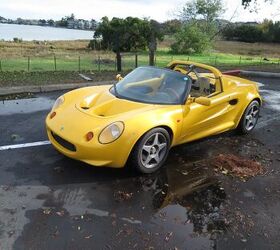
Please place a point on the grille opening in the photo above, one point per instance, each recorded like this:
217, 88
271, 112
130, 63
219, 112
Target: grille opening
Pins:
66, 144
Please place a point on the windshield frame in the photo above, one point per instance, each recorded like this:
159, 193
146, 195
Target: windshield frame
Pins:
185, 93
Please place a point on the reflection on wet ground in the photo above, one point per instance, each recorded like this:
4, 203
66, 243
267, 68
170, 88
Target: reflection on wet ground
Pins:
25, 106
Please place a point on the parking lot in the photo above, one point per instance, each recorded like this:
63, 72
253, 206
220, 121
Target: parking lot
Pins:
48, 201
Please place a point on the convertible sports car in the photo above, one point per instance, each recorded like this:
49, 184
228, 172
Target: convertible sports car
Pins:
149, 111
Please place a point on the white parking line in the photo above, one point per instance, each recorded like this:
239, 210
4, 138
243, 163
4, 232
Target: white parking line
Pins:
25, 145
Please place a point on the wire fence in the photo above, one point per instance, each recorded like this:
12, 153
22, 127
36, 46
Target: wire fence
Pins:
130, 61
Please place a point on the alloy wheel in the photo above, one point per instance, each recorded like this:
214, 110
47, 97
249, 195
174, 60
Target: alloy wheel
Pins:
153, 150
251, 117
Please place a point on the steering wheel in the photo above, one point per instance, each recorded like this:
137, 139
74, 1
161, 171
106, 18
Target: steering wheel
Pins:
192, 69
173, 92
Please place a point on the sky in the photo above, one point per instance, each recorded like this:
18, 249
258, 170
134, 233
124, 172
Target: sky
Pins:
159, 10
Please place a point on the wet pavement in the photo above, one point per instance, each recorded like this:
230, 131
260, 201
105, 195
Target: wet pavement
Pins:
48, 201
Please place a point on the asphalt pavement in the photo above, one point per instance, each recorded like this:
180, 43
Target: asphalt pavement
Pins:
48, 201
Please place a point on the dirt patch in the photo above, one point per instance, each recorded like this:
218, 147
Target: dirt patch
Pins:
9, 79
237, 166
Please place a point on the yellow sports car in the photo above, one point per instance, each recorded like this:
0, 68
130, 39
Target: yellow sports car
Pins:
149, 111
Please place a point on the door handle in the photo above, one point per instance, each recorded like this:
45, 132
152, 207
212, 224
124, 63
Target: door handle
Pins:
233, 102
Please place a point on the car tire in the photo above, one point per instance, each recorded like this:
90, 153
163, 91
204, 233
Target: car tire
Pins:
249, 118
151, 151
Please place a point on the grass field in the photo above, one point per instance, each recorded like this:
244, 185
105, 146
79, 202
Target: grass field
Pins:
39, 63
74, 56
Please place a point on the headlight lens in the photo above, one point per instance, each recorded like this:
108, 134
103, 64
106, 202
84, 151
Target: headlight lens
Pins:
111, 133
59, 101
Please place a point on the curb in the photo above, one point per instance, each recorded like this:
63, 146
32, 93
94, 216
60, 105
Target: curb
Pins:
251, 73
48, 88
259, 74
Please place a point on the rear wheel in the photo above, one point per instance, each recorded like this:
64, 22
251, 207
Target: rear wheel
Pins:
249, 118
151, 151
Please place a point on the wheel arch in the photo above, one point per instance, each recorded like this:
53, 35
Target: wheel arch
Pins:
249, 100
258, 99
166, 127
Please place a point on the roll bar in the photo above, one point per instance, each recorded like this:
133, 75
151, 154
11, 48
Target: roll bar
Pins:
217, 73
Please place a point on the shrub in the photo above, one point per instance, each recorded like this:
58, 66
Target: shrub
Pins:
243, 33
190, 39
17, 40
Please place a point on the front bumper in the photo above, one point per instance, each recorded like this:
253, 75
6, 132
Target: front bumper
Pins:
71, 142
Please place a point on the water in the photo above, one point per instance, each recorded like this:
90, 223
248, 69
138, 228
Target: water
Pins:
41, 33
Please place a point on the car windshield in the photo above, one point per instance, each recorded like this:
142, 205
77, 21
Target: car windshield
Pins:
153, 85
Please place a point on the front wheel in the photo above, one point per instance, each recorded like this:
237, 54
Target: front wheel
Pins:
151, 151
249, 118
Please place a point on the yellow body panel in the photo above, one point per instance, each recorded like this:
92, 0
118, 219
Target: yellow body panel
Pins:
91, 109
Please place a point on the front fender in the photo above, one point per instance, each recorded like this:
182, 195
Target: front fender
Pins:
168, 117
248, 98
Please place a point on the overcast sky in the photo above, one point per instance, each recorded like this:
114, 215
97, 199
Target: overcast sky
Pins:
160, 10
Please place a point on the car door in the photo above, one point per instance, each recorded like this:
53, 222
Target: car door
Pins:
200, 121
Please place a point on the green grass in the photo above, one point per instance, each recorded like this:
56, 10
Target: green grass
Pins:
107, 61
8, 79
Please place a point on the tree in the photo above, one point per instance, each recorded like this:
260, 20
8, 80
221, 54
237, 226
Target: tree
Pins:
246, 3
42, 22
129, 34
203, 12
93, 24
199, 19
153, 33
171, 27
51, 22
64, 20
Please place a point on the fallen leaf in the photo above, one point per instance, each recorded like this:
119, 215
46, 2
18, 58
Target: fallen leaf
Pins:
88, 237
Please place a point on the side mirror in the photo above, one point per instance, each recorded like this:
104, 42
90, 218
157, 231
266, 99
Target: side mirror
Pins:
205, 101
119, 77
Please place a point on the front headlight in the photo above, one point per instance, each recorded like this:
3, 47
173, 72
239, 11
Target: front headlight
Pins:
59, 101
111, 133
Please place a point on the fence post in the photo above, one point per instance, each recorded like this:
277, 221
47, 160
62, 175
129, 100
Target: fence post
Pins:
28, 63
240, 60
99, 63
136, 60
216, 60
261, 61
54, 58
0, 65
79, 64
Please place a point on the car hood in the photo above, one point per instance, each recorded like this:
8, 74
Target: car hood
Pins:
101, 103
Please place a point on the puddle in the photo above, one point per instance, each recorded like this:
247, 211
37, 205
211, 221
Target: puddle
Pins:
271, 98
25, 106
185, 203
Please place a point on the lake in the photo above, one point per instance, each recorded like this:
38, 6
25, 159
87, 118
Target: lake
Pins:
41, 33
